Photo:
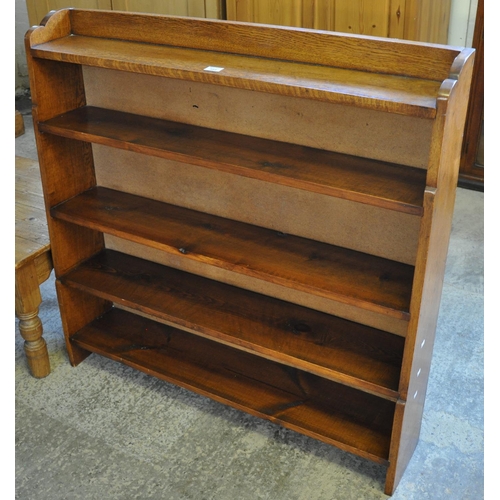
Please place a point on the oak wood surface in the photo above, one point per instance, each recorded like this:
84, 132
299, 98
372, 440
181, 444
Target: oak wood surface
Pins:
348, 177
361, 410
340, 350
32, 237
399, 94
66, 168
405, 58
19, 124
352, 420
347, 276
439, 201
33, 262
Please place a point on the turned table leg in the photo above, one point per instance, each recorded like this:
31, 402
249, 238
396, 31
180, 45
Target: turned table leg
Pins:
28, 300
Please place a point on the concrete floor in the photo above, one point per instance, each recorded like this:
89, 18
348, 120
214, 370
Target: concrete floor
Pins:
104, 431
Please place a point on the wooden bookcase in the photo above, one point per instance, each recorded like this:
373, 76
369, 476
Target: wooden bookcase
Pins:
259, 214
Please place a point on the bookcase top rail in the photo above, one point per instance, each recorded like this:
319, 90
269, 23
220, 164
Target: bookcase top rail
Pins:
396, 76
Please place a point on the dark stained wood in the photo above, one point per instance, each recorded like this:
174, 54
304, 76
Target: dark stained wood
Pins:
366, 181
352, 420
398, 94
331, 347
347, 276
472, 159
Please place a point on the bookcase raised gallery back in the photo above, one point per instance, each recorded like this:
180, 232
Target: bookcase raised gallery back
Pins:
259, 214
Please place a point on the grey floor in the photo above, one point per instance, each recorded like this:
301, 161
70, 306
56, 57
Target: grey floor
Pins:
104, 431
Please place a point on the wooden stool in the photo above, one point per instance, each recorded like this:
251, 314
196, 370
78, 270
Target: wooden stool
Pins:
33, 262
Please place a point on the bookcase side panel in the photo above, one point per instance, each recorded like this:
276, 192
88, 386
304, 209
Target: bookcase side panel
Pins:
439, 203
66, 167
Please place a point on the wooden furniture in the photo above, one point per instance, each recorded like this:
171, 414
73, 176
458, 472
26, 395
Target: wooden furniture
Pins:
38, 9
33, 262
266, 228
19, 124
471, 173
422, 20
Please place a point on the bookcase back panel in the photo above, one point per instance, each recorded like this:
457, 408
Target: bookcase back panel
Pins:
371, 134
369, 229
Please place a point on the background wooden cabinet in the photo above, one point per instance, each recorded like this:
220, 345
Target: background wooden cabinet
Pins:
192, 8
472, 160
37, 9
423, 20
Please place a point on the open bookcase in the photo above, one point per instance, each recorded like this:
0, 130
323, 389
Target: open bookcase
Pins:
259, 214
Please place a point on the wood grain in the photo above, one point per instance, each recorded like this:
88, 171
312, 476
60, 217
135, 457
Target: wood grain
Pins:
348, 385
350, 277
327, 346
347, 177
33, 263
399, 94
354, 421
404, 58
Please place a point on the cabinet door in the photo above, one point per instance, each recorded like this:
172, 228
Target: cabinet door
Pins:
193, 8
38, 9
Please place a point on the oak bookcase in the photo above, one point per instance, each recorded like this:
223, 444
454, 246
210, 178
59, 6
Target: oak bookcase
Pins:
259, 214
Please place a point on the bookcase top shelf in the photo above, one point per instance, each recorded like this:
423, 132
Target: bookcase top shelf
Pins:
327, 66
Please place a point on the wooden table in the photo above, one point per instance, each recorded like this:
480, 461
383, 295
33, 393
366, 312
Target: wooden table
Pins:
33, 262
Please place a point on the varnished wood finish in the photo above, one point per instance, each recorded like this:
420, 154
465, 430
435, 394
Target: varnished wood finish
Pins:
268, 321
340, 350
66, 166
19, 124
439, 201
423, 61
352, 420
398, 94
33, 263
349, 277
347, 177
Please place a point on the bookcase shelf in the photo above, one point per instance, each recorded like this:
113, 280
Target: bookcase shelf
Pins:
336, 273
193, 246
352, 420
322, 344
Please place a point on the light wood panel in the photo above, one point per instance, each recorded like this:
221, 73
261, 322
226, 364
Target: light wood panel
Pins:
365, 17
423, 20
194, 8
215, 9
38, 9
